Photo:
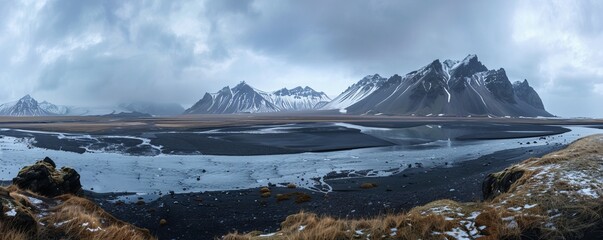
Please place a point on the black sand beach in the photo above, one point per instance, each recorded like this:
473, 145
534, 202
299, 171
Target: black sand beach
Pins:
212, 214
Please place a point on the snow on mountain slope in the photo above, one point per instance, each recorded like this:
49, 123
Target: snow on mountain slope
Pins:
28, 106
297, 99
246, 99
240, 99
452, 87
54, 109
356, 92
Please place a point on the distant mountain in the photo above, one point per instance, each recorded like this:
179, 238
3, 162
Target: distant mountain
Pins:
452, 87
153, 108
128, 115
246, 99
28, 106
297, 99
240, 99
356, 92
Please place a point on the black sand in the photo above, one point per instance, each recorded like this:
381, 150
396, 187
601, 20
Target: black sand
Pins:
303, 137
212, 214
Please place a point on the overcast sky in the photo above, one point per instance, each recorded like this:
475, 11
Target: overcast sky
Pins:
77, 52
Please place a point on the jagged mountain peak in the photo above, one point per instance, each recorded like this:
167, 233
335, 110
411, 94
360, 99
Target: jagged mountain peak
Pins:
470, 57
357, 91
526, 93
467, 67
225, 89
245, 98
27, 99
452, 87
370, 79
243, 86
298, 91
435, 64
375, 76
523, 83
28, 106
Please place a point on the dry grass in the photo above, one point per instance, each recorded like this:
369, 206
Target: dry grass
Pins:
64, 217
7, 231
80, 217
557, 196
368, 185
300, 197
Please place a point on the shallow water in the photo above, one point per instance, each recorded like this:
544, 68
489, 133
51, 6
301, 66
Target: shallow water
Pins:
429, 145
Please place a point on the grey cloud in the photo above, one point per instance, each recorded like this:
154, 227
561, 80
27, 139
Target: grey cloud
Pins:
99, 52
371, 34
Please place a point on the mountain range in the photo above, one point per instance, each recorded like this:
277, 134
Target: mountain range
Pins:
245, 99
453, 87
28, 106
450, 88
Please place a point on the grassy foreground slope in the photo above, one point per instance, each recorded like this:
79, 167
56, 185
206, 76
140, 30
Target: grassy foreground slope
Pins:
558, 196
49, 209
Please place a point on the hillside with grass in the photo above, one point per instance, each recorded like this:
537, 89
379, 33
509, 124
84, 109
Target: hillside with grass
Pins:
557, 196
44, 203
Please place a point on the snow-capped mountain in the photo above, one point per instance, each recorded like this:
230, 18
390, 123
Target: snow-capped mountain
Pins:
28, 106
457, 88
240, 99
54, 109
246, 99
297, 99
356, 92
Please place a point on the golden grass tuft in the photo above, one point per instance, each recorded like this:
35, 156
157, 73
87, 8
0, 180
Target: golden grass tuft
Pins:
80, 217
8, 232
300, 197
62, 217
368, 185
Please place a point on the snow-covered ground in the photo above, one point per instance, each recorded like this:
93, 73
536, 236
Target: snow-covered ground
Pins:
115, 172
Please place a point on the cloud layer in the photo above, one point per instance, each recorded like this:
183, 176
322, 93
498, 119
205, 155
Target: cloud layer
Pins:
106, 52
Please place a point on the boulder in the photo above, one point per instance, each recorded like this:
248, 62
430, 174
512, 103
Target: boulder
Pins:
43, 178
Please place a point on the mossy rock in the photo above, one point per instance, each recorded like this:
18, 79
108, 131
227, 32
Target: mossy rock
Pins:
43, 178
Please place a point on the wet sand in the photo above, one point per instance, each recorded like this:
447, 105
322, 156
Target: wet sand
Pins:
263, 140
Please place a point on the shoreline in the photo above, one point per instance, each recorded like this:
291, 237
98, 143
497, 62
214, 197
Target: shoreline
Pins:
213, 214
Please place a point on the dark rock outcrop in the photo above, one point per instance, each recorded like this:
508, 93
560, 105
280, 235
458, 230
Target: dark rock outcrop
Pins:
43, 178
500, 182
499, 85
525, 92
